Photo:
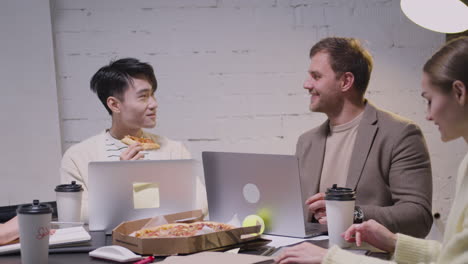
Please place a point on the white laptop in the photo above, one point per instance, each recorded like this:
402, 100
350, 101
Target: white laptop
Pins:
241, 184
129, 190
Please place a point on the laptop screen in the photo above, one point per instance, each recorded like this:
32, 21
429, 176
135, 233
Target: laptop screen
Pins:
241, 184
129, 190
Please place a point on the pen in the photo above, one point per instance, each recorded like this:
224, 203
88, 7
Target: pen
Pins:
145, 261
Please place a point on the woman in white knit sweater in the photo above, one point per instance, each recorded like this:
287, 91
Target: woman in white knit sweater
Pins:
445, 87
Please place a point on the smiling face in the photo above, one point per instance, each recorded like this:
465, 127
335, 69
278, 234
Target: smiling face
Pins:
138, 108
445, 110
323, 85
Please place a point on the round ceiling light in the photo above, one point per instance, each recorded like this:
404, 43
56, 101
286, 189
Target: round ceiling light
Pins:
445, 16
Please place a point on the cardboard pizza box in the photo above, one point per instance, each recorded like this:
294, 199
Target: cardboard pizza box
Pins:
180, 245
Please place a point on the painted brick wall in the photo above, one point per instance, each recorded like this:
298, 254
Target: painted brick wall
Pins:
230, 72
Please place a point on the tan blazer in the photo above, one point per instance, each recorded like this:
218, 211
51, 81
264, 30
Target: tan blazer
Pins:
389, 169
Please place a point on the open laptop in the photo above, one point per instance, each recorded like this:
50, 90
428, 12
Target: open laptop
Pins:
241, 184
129, 190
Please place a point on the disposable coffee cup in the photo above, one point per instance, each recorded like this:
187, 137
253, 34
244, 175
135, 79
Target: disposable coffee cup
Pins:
34, 227
69, 202
339, 204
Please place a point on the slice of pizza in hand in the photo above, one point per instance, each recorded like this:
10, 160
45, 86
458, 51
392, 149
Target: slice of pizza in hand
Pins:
146, 143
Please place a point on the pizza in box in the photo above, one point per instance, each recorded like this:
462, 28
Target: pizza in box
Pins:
182, 229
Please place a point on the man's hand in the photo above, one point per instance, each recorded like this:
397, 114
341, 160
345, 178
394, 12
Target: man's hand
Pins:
304, 253
316, 205
132, 152
373, 233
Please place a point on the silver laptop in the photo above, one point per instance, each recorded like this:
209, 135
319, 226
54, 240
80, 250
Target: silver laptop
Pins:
129, 190
241, 184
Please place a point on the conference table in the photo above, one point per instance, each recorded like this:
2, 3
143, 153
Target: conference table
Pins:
68, 256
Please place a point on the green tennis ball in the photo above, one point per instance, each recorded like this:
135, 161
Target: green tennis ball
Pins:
265, 214
254, 220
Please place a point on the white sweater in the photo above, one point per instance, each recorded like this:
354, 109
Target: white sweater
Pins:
103, 147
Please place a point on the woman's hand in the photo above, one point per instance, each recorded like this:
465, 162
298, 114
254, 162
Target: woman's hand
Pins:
373, 233
305, 253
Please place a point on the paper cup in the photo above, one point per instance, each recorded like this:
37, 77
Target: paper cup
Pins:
69, 202
34, 227
339, 205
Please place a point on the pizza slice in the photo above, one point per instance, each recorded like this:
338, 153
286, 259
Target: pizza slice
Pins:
146, 143
167, 230
213, 225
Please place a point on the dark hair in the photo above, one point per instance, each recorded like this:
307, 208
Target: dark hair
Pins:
347, 55
114, 79
448, 64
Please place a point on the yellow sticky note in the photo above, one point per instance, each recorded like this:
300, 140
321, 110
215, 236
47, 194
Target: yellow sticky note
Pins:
145, 195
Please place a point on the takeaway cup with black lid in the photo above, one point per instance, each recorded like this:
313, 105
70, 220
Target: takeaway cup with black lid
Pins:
69, 202
34, 227
339, 203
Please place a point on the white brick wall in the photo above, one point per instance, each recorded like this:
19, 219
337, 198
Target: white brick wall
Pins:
230, 72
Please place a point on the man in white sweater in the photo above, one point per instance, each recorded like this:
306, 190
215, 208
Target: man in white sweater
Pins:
126, 88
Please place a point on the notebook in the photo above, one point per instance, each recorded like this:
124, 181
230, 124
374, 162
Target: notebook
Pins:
98, 239
130, 190
61, 238
241, 184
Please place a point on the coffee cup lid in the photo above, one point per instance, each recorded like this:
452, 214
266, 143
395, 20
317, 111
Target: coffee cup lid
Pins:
35, 208
336, 193
72, 187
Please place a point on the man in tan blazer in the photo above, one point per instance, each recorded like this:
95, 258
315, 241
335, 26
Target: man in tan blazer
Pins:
379, 154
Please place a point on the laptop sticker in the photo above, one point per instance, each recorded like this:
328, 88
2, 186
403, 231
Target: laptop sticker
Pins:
145, 195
